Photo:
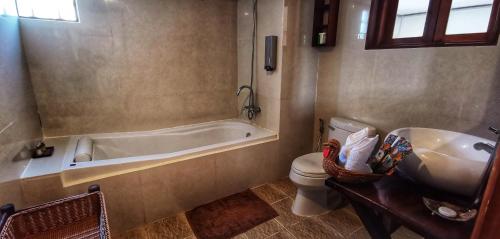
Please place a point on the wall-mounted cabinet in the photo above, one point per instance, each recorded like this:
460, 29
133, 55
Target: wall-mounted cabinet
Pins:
326, 15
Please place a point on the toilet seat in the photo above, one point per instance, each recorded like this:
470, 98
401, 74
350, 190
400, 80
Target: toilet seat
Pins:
313, 196
310, 165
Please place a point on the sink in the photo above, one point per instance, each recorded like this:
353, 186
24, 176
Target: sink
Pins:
444, 159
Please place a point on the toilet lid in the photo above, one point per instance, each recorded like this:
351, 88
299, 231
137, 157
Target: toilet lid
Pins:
309, 165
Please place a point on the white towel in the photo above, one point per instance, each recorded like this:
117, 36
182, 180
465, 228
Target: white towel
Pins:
84, 150
358, 136
359, 154
352, 140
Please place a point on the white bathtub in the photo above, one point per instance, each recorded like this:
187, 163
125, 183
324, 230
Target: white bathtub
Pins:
118, 153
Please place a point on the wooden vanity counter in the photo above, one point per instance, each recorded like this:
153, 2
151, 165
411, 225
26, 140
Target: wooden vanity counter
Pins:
385, 205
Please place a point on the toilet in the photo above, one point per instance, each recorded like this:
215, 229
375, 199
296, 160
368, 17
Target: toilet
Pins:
307, 173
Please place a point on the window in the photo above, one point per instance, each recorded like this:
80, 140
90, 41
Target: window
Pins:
432, 23
64, 10
410, 18
8, 8
469, 16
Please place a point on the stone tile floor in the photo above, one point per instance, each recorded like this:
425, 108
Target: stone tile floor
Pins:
341, 223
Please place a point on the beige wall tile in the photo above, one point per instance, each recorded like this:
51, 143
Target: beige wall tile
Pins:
178, 187
298, 84
19, 122
145, 196
267, 85
451, 88
245, 168
11, 192
270, 115
134, 65
124, 200
42, 189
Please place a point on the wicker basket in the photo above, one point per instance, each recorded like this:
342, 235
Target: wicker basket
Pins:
81, 216
341, 174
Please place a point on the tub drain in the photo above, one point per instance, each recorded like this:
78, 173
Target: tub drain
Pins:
248, 134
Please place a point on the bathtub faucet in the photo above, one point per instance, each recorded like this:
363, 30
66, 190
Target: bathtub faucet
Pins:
251, 108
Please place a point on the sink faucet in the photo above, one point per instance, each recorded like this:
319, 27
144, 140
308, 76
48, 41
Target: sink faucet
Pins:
484, 146
487, 147
489, 165
251, 108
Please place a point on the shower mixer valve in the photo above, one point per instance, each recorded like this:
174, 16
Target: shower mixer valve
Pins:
251, 108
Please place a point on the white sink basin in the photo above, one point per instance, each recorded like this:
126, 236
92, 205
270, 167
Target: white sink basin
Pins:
444, 159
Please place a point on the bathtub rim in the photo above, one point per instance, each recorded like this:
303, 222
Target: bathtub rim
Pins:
69, 179
73, 140
81, 173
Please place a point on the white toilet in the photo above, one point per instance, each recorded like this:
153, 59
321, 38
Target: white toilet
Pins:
307, 173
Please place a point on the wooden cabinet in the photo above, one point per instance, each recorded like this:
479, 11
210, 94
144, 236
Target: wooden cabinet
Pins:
326, 15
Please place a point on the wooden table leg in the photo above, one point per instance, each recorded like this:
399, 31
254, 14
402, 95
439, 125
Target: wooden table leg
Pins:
373, 223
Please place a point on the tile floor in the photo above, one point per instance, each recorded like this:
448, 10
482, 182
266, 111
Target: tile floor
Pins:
341, 223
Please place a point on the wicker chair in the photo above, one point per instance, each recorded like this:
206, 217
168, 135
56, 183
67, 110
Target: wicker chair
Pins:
80, 216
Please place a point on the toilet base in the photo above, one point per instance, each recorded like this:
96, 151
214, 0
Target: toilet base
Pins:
314, 202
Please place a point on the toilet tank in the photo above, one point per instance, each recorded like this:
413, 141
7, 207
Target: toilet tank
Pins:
340, 128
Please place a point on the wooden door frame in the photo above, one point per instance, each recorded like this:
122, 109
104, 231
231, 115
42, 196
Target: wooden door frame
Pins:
488, 219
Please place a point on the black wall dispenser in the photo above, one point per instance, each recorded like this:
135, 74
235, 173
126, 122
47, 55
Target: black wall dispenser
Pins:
271, 52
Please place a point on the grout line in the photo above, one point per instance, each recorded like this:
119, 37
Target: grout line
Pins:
258, 186
277, 189
280, 200
329, 226
289, 232
360, 227
286, 196
274, 187
352, 212
276, 233
244, 234
286, 229
352, 233
7, 127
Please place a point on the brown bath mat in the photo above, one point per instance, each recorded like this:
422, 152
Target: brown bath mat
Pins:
229, 216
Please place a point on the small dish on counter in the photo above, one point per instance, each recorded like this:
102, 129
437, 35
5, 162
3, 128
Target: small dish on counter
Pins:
449, 211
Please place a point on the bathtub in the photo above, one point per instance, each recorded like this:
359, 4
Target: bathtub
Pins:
119, 153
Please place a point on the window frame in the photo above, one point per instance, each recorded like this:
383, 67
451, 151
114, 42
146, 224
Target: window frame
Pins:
75, 7
383, 17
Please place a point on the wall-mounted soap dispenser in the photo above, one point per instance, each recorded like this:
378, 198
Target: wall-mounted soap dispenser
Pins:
271, 52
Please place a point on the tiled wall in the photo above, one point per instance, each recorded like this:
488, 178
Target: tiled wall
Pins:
455, 88
267, 85
144, 196
298, 86
19, 124
134, 65
286, 95
162, 191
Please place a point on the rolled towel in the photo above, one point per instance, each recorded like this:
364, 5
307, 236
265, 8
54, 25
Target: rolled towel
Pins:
359, 154
84, 150
358, 136
351, 141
